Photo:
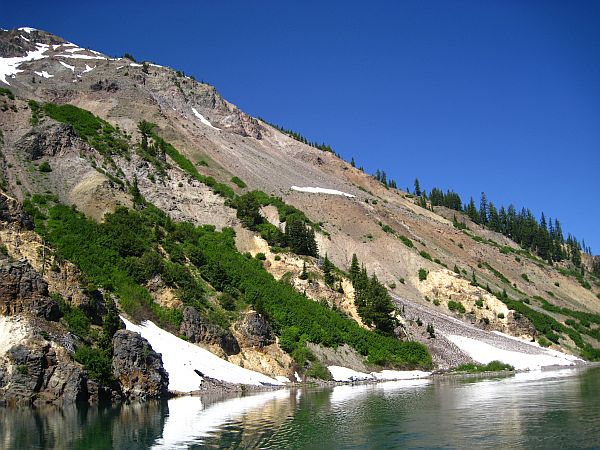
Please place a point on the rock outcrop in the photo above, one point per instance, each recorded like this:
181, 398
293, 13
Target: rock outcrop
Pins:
23, 290
138, 369
198, 331
254, 331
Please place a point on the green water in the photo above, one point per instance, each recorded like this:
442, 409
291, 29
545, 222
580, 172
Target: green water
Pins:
558, 409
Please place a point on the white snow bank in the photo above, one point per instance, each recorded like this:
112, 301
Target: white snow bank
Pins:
68, 66
26, 29
12, 332
181, 359
135, 65
74, 49
203, 119
189, 420
24, 38
344, 374
9, 66
87, 69
484, 353
80, 56
282, 378
318, 190
43, 74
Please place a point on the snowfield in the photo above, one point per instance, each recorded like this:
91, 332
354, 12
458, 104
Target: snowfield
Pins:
318, 190
344, 374
181, 359
9, 67
68, 66
203, 119
43, 74
484, 353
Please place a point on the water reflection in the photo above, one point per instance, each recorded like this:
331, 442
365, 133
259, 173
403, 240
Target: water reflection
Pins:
540, 409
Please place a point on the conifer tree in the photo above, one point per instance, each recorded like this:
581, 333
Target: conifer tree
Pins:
417, 188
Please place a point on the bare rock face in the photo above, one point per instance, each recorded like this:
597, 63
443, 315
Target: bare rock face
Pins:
47, 140
138, 369
196, 330
23, 290
255, 331
34, 374
11, 212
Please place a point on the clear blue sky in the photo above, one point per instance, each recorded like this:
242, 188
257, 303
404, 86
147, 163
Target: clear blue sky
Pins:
494, 96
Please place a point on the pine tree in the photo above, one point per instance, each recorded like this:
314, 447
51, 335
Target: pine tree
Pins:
304, 274
354, 270
483, 209
417, 188
352, 163
327, 268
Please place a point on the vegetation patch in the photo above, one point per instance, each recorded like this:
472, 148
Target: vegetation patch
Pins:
493, 366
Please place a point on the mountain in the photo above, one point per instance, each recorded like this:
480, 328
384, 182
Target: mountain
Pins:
130, 189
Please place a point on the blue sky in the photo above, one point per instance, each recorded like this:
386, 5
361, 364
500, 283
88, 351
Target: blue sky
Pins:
494, 96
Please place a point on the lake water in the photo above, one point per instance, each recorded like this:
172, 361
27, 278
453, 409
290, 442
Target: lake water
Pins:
558, 409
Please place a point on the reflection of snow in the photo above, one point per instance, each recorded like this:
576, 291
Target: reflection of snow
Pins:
188, 421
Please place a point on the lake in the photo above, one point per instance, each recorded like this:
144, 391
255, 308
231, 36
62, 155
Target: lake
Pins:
553, 409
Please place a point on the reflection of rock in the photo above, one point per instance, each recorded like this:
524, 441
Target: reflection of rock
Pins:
254, 331
198, 331
138, 369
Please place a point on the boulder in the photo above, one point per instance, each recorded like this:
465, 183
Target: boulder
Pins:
137, 367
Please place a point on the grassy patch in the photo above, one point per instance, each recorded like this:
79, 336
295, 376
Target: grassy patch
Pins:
493, 366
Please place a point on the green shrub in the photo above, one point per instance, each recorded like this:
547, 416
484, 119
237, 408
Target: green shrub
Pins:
318, 370
406, 241
500, 315
96, 362
456, 306
423, 274
45, 167
492, 366
238, 182
525, 277
425, 255
543, 341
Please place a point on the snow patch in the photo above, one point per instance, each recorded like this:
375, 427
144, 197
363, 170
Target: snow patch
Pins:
80, 56
87, 69
484, 353
318, 190
24, 38
181, 359
135, 65
12, 332
26, 29
203, 119
75, 49
68, 66
282, 378
9, 67
344, 374
43, 74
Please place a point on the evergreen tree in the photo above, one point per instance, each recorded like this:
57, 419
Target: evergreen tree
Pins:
327, 268
304, 274
483, 209
354, 270
145, 129
417, 188
352, 163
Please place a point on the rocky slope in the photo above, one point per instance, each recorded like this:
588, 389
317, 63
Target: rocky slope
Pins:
221, 142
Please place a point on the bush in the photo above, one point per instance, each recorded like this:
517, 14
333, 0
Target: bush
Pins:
425, 255
45, 167
423, 274
492, 366
238, 182
456, 306
500, 315
406, 241
318, 370
96, 362
525, 277
261, 256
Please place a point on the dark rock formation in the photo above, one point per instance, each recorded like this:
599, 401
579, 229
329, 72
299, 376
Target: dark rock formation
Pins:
196, 330
22, 289
35, 374
138, 369
255, 331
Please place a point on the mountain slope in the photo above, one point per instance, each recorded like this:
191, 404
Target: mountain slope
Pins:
411, 249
